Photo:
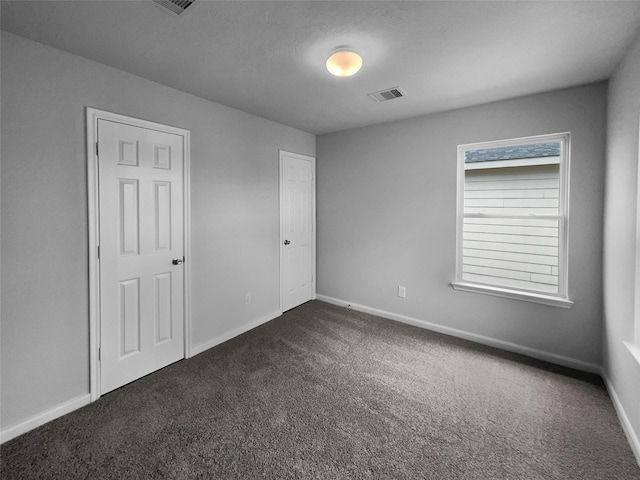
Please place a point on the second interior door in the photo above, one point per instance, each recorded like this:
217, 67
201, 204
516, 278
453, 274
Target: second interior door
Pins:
297, 210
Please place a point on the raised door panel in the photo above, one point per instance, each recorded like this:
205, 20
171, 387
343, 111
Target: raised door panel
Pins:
163, 311
129, 302
128, 217
162, 215
162, 156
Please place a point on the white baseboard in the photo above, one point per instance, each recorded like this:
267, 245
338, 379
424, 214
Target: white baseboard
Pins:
492, 342
78, 402
44, 417
632, 436
234, 333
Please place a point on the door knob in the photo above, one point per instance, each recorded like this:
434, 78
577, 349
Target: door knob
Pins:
177, 261
287, 242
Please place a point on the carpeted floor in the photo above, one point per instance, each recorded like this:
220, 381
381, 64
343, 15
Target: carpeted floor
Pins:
325, 392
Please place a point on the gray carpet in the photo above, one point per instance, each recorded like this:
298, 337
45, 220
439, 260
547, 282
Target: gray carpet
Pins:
330, 393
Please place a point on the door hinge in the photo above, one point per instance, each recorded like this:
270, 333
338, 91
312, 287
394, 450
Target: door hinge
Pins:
99, 353
98, 252
97, 150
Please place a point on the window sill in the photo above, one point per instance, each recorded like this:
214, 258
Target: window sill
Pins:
635, 350
513, 294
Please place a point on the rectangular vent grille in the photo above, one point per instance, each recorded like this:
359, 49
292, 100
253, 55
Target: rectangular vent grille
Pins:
176, 7
388, 94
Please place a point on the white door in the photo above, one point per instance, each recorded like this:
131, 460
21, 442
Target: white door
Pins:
141, 251
297, 219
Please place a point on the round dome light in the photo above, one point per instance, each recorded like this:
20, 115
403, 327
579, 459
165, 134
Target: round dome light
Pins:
344, 63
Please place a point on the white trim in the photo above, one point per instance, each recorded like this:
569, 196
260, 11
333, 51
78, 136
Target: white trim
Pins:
299, 156
186, 244
632, 436
454, 332
94, 264
636, 327
498, 215
234, 333
45, 417
563, 219
634, 350
513, 294
92, 117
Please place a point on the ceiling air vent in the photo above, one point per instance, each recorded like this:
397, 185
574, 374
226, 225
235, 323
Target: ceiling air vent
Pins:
388, 94
174, 7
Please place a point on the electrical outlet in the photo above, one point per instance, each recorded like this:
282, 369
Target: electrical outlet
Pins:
247, 298
402, 291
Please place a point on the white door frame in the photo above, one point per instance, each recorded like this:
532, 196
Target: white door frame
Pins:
636, 333
282, 153
93, 115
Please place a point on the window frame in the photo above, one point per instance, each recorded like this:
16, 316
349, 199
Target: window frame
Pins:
634, 344
561, 299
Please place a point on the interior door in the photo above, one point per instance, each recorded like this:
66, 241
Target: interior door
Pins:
297, 214
141, 251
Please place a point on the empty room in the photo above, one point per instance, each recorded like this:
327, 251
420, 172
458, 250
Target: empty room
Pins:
385, 240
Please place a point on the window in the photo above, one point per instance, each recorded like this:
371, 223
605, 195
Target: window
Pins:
634, 345
513, 217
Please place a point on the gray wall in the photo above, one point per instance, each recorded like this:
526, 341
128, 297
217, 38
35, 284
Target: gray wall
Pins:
387, 217
620, 241
234, 173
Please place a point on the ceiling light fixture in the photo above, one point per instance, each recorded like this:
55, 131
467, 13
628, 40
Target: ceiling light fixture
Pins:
344, 62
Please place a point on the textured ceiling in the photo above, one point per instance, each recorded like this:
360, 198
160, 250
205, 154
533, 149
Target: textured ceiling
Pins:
267, 58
